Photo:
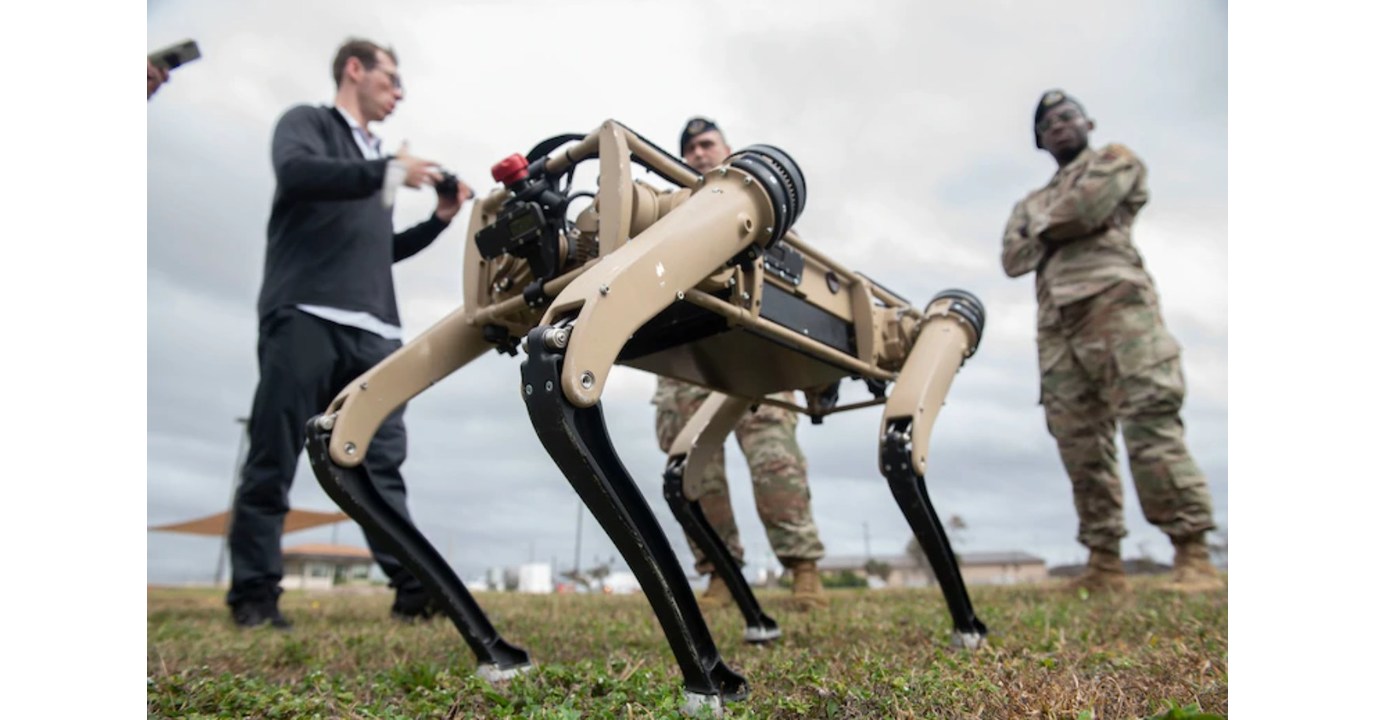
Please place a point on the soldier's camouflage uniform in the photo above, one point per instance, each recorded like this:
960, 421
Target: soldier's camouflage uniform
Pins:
1105, 355
768, 438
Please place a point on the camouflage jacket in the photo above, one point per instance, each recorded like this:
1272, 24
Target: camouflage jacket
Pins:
1076, 231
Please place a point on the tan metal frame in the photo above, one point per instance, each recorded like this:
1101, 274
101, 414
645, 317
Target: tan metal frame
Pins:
649, 256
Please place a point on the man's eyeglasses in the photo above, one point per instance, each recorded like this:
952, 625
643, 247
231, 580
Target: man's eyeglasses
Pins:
1068, 115
392, 77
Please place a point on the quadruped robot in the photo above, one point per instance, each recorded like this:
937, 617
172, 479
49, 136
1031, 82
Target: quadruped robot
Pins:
703, 283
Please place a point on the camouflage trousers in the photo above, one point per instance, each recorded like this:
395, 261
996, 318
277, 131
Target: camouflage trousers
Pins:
768, 438
1105, 360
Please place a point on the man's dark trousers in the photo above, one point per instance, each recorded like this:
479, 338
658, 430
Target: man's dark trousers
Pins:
303, 363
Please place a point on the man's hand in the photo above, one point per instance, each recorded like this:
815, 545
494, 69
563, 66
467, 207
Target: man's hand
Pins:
419, 172
448, 206
156, 77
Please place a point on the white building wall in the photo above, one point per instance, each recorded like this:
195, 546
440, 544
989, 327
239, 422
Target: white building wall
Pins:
622, 582
535, 578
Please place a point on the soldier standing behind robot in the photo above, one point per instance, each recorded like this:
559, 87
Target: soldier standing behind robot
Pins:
1105, 355
768, 438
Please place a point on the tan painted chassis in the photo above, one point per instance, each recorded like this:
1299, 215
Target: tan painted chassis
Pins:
704, 283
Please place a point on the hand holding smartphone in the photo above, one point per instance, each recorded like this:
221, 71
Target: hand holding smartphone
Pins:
160, 63
173, 57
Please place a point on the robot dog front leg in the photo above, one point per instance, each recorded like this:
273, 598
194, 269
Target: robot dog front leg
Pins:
336, 442
577, 440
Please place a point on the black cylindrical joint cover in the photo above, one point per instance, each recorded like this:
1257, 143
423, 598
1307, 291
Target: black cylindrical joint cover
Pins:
781, 179
968, 307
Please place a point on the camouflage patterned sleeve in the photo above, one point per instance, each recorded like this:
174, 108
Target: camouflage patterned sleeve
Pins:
1021, 253
1110, 178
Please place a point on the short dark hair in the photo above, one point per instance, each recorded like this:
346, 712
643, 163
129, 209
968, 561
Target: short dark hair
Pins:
364, 50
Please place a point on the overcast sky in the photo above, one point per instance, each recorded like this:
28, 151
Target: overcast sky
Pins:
912, 125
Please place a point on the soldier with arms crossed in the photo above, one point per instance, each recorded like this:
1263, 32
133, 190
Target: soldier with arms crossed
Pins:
1105, 355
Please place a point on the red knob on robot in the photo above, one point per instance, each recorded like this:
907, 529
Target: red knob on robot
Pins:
512, 170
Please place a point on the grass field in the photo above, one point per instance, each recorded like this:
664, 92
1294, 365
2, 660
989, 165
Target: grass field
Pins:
872, 654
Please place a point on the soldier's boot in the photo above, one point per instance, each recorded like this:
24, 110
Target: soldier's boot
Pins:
717, 594
807, 590
1193, 571
1104, 574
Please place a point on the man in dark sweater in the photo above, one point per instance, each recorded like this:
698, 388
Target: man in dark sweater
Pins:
327, 312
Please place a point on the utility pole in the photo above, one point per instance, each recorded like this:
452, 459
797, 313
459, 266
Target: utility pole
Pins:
577, 544
240, 456
867, 555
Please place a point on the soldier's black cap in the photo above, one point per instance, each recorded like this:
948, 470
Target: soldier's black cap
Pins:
696, 126
1048, 100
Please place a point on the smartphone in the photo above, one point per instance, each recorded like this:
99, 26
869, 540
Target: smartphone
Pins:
175, 56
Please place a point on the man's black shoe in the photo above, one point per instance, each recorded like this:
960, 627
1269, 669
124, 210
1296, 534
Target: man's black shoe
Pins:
413, 607
252, 613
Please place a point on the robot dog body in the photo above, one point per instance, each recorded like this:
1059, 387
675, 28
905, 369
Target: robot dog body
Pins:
705, 284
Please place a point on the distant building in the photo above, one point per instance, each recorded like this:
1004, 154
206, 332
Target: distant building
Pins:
536, 578
978, 568
621, 582
321, 566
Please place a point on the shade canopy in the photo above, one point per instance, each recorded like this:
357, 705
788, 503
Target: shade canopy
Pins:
217, 525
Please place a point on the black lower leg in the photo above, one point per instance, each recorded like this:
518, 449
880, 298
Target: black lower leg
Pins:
577, 440
759, 628
352, 489
909, 489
